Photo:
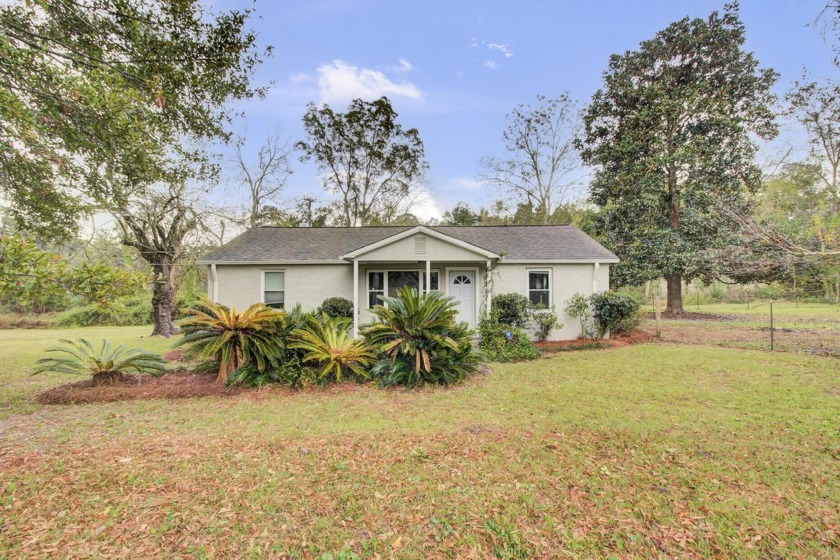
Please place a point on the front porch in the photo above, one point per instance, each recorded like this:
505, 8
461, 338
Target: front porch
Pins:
425, 260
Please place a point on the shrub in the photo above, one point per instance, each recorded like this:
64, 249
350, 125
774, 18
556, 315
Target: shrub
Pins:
511, 309
337, 307
503, 343
420, 340
578, 307
255, 336
614, 312
288, 372
129, 311
545, 319
103, 364
328, 343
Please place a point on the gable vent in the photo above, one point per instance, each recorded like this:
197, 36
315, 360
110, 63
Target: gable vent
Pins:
419, 245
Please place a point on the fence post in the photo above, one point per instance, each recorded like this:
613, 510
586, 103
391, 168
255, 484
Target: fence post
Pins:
772, 328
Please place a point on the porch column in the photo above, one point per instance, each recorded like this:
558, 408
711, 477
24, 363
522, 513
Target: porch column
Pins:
428, 276
595, 277
356, 298
489, 288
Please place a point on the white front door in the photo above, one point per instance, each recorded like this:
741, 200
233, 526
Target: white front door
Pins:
462, 287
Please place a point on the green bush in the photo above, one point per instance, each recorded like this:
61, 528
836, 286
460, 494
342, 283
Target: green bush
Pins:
614, 312
129, 311
420, 341
545, 319
578, 307
289, 372
337, 307
503, 343
511, 309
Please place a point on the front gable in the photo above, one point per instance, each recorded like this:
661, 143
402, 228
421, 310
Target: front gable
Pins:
420, 244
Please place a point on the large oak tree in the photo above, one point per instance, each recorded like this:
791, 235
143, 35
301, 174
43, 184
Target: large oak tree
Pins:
670, 135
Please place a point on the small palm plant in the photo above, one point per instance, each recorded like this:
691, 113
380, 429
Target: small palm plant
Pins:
103, 363
420, 337
254, 336
325, 340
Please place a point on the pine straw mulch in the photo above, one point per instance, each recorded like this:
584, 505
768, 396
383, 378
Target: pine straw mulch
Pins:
181, 384
615, 341
174, 385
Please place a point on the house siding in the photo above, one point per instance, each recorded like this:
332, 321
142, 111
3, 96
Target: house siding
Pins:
566, 280
310, 284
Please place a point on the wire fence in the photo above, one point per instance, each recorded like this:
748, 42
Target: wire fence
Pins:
788, 326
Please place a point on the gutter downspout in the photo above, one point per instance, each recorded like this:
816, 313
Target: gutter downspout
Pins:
356, 298
595, 269
214, 295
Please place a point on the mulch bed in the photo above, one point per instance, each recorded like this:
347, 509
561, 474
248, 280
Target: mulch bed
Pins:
175, 385
616, 341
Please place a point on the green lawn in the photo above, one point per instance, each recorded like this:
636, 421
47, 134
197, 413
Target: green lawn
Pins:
659, 450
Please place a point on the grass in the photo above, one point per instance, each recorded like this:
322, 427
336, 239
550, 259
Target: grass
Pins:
646, 451
807, 327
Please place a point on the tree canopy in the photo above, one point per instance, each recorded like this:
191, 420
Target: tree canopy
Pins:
101, 98
366, 158
670, 135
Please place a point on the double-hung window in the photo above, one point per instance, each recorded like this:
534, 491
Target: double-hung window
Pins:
274, 288
539, 288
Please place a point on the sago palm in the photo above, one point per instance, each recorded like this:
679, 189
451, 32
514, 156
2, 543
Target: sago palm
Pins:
233, 339
414, 326
325, 340
103, 363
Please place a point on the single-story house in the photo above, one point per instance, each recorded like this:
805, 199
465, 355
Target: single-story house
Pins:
283, 266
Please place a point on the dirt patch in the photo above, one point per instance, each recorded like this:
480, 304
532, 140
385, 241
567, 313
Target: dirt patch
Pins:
616, 341
175, 385
694, 316
176, 356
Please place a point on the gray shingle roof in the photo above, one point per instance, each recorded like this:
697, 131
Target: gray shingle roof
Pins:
280, 244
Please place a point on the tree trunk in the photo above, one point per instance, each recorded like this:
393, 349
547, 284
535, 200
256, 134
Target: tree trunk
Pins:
675, 301
163, 300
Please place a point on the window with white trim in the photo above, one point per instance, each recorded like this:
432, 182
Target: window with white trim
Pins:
274, 288
389, 282
539, 287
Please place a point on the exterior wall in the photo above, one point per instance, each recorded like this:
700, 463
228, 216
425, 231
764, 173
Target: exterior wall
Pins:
435, 250
566, 280
309, 285
239, 285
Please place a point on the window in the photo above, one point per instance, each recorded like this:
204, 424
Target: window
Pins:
461, 279
274, 288
397, 279
389, 282
539, 290
376, 288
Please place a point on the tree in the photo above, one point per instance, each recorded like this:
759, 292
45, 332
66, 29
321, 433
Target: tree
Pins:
98, 91
157, 226
542, 160
460, 215
365, 155
35, 280
817, 108
670, 134
264, 178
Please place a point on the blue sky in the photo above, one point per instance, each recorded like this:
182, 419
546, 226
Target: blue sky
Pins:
455, 69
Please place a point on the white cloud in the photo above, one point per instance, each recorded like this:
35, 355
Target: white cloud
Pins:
427, 209
340, 82
504, 49
466, 184
403, 66
491, 64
